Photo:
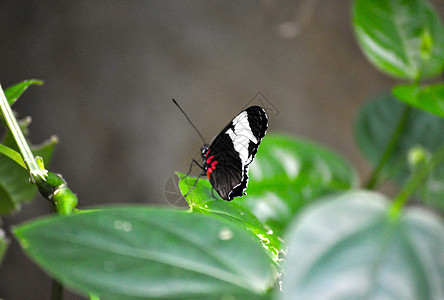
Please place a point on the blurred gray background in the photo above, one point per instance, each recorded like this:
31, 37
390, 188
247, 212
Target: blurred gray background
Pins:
111, 68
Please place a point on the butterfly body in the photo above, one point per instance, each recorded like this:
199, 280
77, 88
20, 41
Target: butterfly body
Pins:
226, 160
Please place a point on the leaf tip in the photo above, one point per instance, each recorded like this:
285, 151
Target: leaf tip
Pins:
18, 232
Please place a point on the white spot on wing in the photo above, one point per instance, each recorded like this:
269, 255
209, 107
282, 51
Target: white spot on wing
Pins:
241, 137
242, 127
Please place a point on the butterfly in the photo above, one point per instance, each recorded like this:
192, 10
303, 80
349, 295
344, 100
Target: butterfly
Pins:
226, 159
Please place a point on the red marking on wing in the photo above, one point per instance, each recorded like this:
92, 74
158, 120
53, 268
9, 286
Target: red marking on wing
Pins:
211, 168
209, 159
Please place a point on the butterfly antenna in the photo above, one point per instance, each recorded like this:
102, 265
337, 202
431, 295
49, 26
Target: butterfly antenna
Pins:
189, 121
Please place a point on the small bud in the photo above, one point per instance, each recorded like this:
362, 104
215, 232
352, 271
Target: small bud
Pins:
40, 162
416, 156
426, 47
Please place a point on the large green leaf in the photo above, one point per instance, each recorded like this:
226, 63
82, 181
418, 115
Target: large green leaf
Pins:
347, 247
14, 92
374, 127
15, 187
201, 200
288, 173
429, 98
402, 38
139, 252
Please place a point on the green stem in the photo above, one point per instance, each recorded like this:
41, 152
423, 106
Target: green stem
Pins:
415, 180
37, 174
19, 138
375, 177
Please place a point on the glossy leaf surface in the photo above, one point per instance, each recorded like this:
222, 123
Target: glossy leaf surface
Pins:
401, 38
347, 247
140, 252
429, 98
288, 173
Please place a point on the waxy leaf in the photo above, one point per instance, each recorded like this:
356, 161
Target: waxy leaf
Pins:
348, 247
139, 252
288, 173
401, 38
429, 98
201, 200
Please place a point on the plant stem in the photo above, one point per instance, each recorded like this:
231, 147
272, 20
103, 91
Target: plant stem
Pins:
375, 177
19, 138
31, 164
56, 290
415, 180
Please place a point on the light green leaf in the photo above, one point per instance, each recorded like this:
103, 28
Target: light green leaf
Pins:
12, 154
288, 173
401, 38
347, 247
139, 252
14, 92
201, 200
429, 98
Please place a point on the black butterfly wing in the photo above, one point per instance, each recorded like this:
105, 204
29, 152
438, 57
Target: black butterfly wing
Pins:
231, 152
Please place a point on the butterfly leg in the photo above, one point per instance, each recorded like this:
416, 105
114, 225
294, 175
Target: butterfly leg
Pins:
191, 167
195, 184
212, 193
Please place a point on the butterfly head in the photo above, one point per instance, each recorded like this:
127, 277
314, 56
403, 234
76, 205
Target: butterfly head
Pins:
204, 150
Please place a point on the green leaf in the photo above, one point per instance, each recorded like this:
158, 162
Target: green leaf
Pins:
374, 126
12, 154
347, 247
15, 187
288, 173
401, 38
14, 92
201, 200
139, 252
429, 98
